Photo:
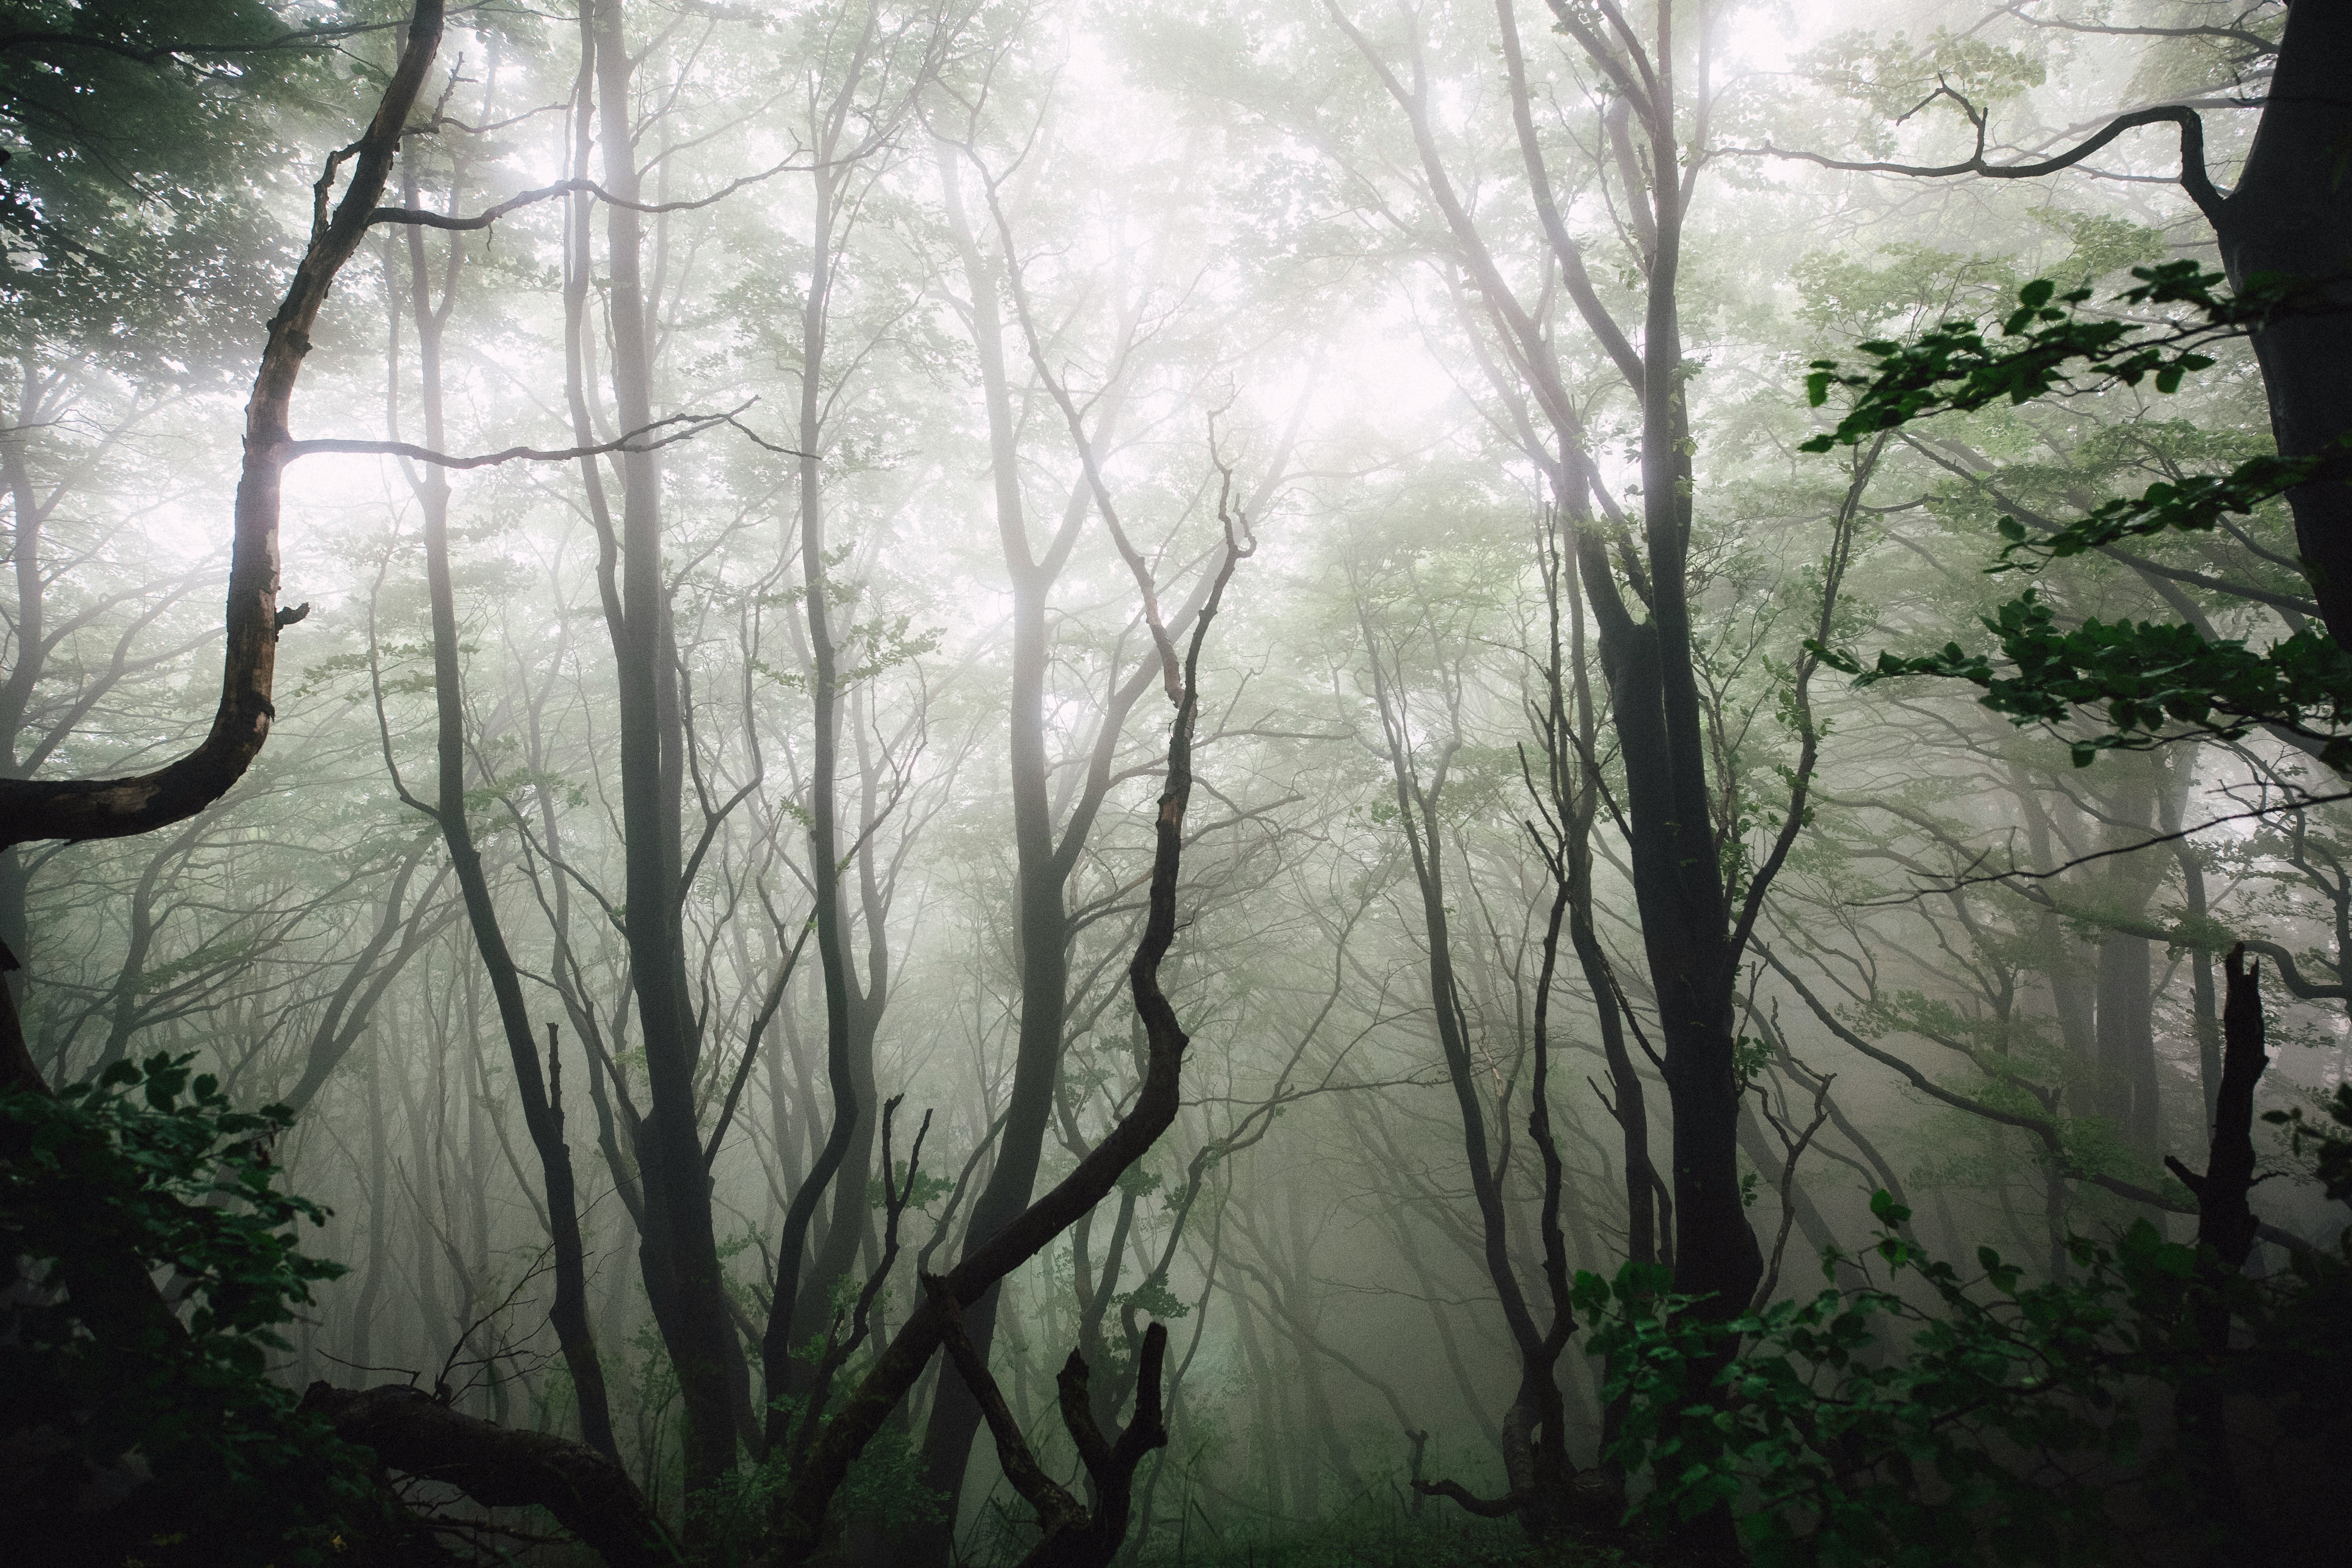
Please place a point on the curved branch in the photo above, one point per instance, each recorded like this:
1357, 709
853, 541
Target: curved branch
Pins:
2059, 870
121, 807
1485, 1508
2292, 978
2193, 177
2255, 41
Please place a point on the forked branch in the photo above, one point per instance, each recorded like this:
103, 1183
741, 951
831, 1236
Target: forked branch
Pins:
1075, 1538
1152, 1112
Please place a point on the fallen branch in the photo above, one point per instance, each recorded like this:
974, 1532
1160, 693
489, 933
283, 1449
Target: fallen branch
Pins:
1485, 1508
589, 1494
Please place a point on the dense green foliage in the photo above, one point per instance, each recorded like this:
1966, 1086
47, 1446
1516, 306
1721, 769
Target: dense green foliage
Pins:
1389, 280
1967, 1419
150, 1166
141, 143
2146, 679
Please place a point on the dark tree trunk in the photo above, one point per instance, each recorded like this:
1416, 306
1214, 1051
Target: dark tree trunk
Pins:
852, 1126
1041, 914
117, 808
2289, 214
542, 1112
679, 1247
1538, 1468
2226, 1229
802, 1513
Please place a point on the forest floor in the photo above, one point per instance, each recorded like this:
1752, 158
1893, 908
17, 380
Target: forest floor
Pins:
1394, 1541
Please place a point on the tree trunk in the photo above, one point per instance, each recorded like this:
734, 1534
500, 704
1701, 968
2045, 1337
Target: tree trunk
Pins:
2225, 1233
679, 1247
1041, 915
825, 849
801, 1518
542, 1114
116, 808
2289, 215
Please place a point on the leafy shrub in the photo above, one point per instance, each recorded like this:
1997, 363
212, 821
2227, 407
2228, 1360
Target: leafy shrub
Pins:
154, 1258
1983, 1439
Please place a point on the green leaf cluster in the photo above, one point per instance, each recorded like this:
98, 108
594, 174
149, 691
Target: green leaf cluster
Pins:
1858, 1426
2145, 676
156, 1258
2142, 677
1954, 368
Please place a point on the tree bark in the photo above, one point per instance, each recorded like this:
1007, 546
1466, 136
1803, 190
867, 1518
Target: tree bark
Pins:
2226, 1229
679, 1248
587, 1491
116, 808
2288, 216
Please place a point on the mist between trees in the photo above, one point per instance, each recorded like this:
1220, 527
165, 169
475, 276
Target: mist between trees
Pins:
1100, 784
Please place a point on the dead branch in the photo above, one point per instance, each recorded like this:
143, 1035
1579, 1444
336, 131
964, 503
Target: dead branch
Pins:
589, 1494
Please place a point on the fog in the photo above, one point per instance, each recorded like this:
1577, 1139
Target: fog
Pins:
910, 688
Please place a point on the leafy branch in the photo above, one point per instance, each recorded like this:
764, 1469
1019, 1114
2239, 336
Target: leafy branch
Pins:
2146, 676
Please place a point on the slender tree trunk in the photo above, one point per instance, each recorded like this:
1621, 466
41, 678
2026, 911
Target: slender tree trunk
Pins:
1041, 916
680, 1249
379, 1199
542, 1116
2225, 1235
1273, 1450
825, 846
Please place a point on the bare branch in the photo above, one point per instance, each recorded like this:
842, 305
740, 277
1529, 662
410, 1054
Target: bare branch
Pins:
2193, 177
694, 423
490, 215
2300, 803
